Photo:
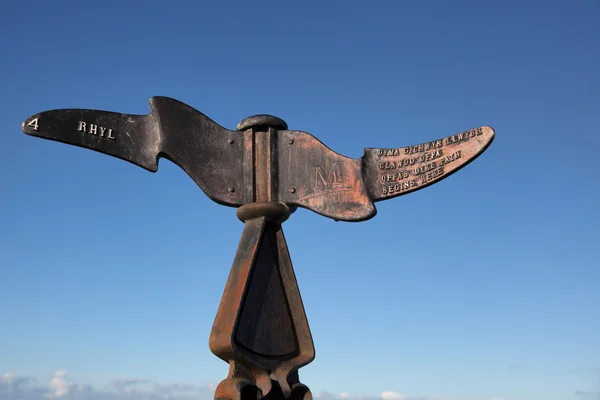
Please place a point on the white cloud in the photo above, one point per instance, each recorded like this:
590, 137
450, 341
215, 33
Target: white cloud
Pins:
343, 395
8, 378
391, 395
12, 384
60, 385
12, 379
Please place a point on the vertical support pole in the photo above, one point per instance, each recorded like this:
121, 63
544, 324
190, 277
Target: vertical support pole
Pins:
261, 328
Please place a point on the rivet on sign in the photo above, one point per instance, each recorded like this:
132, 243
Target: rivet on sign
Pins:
231, 190
291, 141
230, 141
293, 190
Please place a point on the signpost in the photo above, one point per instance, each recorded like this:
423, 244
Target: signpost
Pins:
266, 171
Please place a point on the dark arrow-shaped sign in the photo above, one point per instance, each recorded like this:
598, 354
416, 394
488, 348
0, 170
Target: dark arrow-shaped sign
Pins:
221, 161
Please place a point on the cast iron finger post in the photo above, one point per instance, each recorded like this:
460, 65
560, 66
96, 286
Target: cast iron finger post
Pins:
267, 171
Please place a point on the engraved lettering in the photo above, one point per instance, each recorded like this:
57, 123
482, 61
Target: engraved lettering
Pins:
452, 157
332, 176
433, 147
391, 152
92, 129
430, 156
460, 137
436, 144
421, 169
395, 177
399, 187
432, 175
33, 124
403, 170
405, 162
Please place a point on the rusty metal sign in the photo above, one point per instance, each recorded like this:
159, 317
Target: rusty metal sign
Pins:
266, 171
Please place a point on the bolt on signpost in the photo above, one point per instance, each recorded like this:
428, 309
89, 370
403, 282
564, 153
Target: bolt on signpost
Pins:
266, 171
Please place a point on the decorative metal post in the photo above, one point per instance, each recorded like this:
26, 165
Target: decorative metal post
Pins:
267, 171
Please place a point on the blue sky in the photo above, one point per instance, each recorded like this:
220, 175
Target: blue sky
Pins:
483, 286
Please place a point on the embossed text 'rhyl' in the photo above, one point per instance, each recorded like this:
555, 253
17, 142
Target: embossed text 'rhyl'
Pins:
97, 130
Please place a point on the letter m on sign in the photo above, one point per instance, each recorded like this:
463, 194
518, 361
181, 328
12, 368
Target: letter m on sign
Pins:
329, 180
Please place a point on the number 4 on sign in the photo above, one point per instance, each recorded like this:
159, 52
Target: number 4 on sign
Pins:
33, 124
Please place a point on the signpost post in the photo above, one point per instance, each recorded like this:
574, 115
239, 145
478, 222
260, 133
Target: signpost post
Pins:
266, 171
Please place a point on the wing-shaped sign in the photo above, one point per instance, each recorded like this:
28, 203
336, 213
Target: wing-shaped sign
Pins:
210, 154
345, 188
394, 172
223, 162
